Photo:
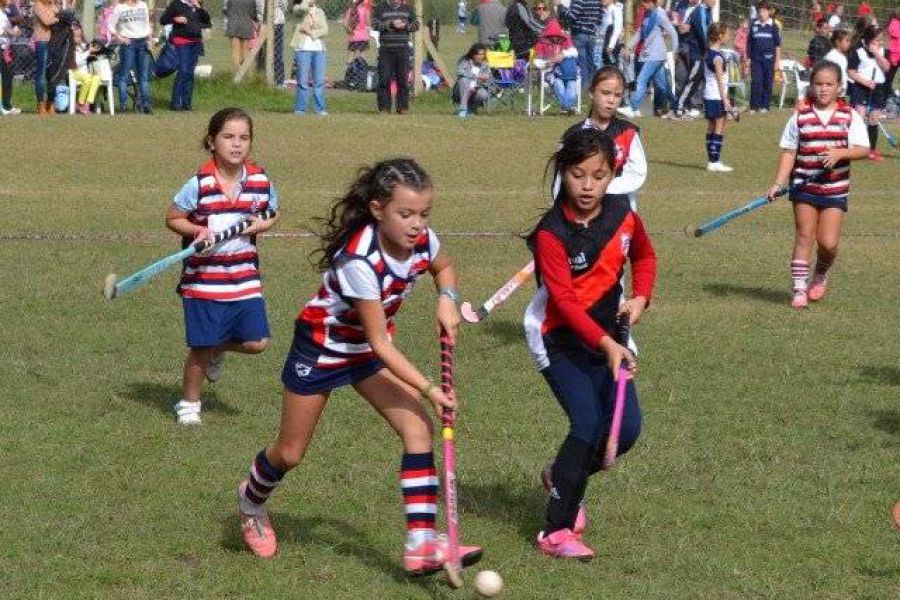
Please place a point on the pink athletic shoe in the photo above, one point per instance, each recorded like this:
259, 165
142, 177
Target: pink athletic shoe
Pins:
431, 554
564, 544
581, 519
257, 531
817, 287
800, 299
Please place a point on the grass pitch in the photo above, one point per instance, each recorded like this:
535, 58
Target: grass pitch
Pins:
768, 459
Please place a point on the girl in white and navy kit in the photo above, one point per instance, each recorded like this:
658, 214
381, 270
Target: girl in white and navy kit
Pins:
866, 68
376, 246
764, 50
715, 97
221, 289
818, 143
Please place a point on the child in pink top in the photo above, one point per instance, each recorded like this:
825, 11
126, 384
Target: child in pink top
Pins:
893, 32
356, 23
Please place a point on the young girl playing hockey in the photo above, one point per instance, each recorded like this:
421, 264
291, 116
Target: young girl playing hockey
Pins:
580, 248
866, 67
607, 89
220, 289
818, 143
715, 97
376, 245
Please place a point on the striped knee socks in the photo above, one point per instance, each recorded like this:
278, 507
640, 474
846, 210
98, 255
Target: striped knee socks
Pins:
714, 143
419, 482
799, 274
261, 482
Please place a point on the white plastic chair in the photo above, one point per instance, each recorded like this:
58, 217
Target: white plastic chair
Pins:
102, 68
791, 72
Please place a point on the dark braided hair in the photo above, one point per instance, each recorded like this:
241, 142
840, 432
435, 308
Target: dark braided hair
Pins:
351, 212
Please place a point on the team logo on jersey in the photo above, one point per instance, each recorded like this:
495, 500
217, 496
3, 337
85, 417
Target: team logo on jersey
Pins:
578, 262
625, 241
302, 370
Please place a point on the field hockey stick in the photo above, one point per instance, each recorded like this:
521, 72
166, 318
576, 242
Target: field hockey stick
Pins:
612, 442
453, 564
500, 296
731, 215
113, 287
887, 134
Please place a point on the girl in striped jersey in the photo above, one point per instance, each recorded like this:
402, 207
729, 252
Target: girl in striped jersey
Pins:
819, 141
376, 245
580, 248
607, 90
220, 289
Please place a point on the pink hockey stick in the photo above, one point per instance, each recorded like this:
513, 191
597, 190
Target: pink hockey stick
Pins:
472, 315
453, 564
612, 443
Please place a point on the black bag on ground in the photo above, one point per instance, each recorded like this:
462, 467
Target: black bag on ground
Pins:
360, 76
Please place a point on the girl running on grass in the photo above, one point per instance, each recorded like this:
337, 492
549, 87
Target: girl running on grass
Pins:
607, 89
866, 67
819, 141
375, 246
715, 97
221, 290
580, 248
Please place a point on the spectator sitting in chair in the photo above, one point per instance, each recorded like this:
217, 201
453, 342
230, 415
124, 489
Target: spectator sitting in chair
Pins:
556, 48
88, 82
473, 76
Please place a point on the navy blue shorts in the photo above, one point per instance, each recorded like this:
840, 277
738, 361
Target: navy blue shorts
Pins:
860, 96
213, 323
713, 108
301, 376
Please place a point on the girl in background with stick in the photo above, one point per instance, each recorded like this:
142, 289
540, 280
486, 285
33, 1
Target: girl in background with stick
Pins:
818, 143
376, 246
580, 247
221, 289
866, 67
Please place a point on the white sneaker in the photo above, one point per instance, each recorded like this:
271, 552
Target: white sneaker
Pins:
12, 111
718, 167
626, 111
216, 363
187, 413
693, 113
763, 110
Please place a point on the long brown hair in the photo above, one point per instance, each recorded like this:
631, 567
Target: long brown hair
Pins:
351, 212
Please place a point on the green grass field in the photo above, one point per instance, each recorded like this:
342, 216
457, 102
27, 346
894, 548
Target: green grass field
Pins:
768, 459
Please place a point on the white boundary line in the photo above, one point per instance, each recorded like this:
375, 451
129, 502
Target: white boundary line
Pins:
152, 237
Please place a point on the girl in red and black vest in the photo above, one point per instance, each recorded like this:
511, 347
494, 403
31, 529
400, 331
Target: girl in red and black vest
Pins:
377, 244
818, 143
580, 247
221, 289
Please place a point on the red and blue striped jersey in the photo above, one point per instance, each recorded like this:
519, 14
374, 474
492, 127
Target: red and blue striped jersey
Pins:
815, 137
230, 272
329, 323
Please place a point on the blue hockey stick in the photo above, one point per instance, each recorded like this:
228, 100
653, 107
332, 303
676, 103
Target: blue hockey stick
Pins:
754, 204
113, 287
887, 134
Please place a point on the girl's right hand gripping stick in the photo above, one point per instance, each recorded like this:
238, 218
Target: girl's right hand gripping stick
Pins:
612, 442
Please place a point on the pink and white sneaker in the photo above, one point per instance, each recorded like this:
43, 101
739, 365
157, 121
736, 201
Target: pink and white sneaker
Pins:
563, 543
581, 519
800, 299
257, 531
817, 287
429, 555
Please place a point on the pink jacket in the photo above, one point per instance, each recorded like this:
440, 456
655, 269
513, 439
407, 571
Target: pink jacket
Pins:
894, 41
